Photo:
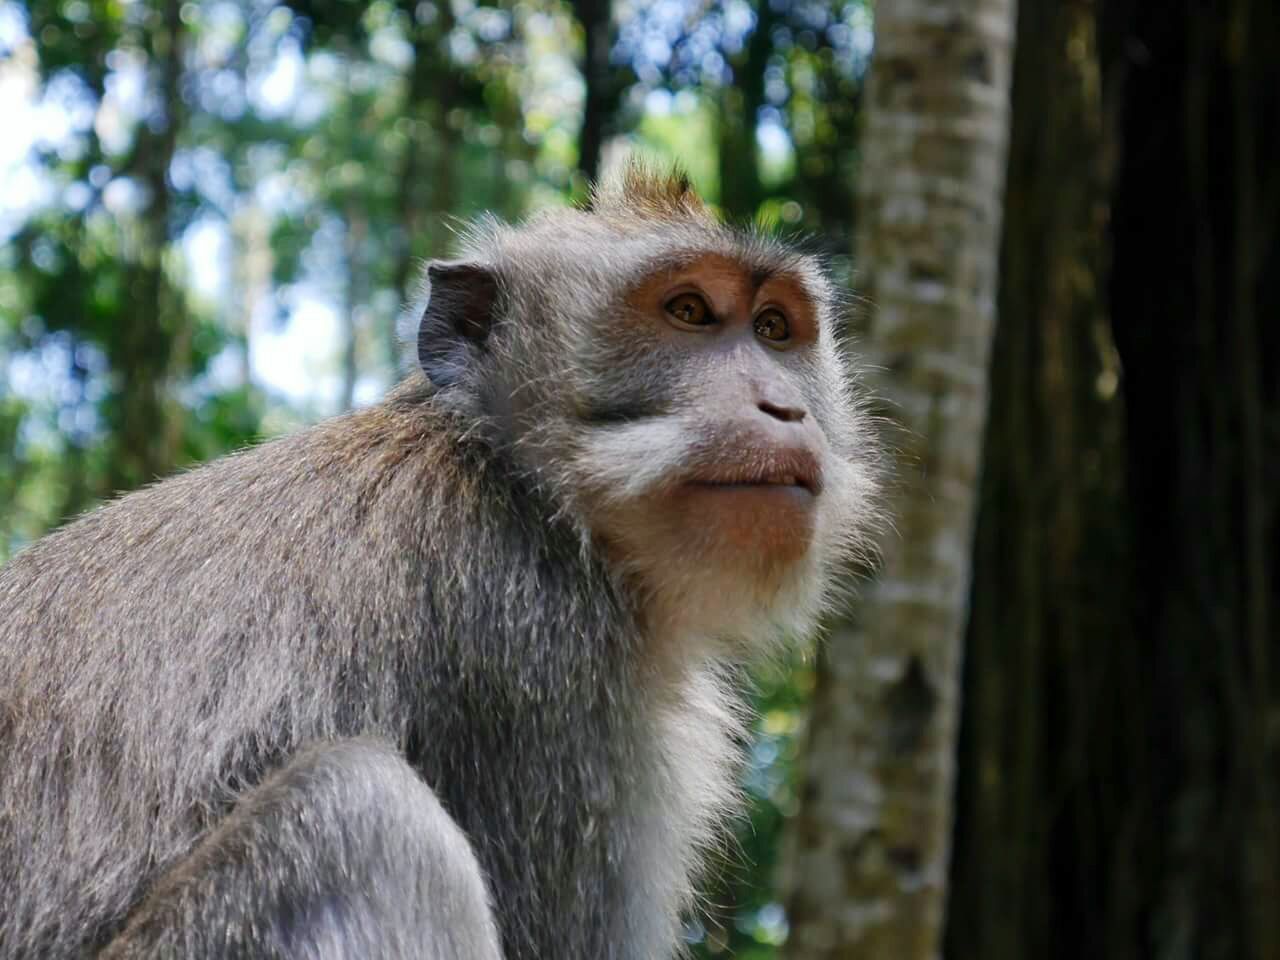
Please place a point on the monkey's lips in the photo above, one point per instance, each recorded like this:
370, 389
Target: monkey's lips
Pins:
788, 472
785, 484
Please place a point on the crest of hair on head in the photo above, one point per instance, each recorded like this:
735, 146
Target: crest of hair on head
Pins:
637, 189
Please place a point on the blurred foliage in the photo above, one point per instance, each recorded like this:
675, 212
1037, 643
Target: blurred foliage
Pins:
212, 213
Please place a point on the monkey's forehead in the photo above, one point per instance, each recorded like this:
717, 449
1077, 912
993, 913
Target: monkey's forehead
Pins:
610, 254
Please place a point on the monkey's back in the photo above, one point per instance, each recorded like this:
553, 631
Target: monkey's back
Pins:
226, 564
304, 599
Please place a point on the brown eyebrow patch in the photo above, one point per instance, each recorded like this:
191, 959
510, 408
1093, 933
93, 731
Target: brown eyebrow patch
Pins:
730, 283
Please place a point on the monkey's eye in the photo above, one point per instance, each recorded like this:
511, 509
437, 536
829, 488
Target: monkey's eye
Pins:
691, 310
772, 325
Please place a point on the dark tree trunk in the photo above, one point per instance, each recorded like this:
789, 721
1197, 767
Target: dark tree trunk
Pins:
150, 335
597, 27
740, 101
1195, 301
1048, 596
1118, 785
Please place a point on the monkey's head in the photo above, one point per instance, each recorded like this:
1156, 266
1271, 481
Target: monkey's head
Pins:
676, 387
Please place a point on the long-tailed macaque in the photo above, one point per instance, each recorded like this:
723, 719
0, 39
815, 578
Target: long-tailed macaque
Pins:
453, 676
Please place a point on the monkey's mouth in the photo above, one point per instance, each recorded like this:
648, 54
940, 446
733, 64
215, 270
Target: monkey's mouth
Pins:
786, 482
790, 470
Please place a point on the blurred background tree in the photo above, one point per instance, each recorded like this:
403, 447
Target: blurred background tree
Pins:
873, 829
212, 213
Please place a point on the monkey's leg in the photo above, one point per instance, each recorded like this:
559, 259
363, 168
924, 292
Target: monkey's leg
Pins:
344, 852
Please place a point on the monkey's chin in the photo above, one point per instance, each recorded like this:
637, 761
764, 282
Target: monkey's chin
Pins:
771, 523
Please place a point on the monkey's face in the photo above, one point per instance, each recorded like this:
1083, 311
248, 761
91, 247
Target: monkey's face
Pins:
716, 452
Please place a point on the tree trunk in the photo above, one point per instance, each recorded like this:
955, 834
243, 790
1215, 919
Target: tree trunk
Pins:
1195, 294
871, 836
142, 354
356, 228
1046, 639
741, 189
1118, 793
253, 264
597, 27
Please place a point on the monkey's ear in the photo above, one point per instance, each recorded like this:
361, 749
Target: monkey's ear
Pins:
457, 319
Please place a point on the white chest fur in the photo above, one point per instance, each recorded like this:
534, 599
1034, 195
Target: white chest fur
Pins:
688, 791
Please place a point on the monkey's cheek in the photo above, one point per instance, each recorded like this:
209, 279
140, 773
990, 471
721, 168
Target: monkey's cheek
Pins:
759, 523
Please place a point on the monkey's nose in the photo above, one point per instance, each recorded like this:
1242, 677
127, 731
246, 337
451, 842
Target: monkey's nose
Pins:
787, 414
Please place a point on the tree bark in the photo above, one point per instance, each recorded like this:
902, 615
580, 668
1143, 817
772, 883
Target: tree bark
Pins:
871, 836
741, 189
142, 354
1046, 633
1118, 791
253, 264
595, 16
1195, 293
356, 228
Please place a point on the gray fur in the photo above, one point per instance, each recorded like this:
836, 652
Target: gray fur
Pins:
229, 702
395, 878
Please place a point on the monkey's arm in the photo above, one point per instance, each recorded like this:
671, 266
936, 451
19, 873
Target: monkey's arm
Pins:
344, 852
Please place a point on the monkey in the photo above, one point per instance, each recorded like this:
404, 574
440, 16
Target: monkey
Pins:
457, 675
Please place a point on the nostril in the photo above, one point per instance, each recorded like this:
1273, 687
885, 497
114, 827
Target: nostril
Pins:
785, 414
